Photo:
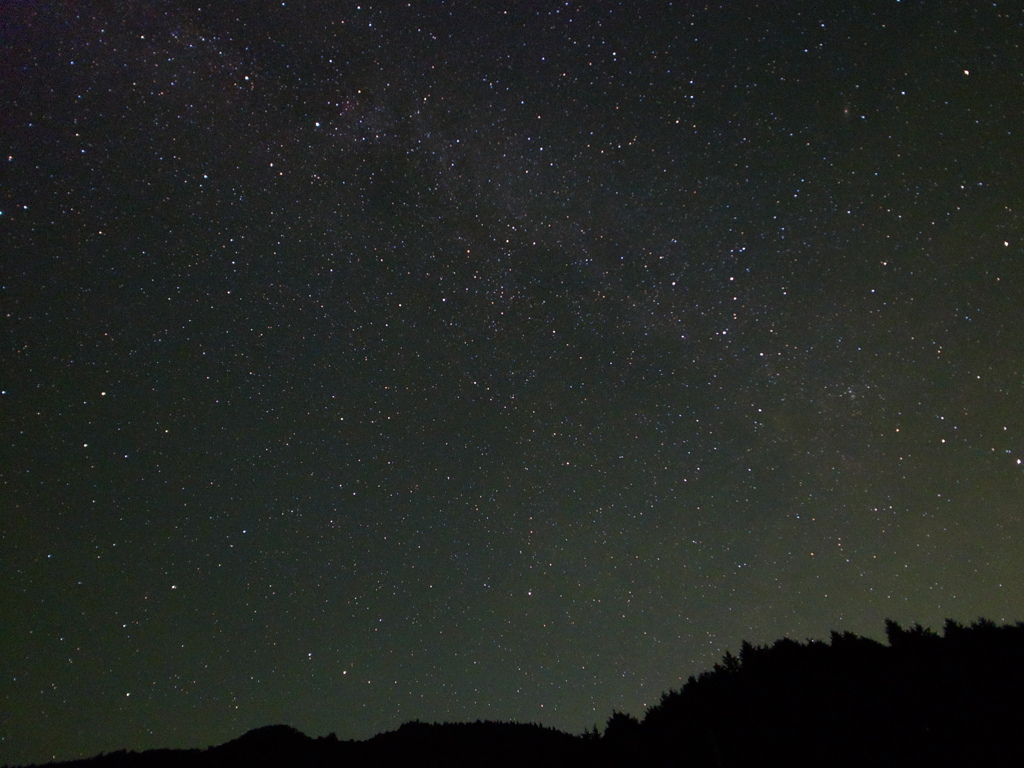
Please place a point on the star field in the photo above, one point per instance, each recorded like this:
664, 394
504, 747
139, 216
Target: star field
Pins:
448, 360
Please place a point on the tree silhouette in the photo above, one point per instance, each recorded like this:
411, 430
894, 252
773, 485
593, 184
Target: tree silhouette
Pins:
923, 698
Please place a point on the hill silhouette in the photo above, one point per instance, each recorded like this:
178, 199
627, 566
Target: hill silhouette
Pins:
950, 699
924, 698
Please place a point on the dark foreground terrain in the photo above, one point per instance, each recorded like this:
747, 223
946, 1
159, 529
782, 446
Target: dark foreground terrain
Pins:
950, 699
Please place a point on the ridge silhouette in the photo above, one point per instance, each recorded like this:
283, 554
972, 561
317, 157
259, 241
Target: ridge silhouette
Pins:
950, 699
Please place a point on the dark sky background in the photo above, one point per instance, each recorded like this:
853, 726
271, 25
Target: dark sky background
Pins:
456, 360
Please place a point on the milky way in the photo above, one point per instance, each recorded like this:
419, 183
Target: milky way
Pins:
367, 363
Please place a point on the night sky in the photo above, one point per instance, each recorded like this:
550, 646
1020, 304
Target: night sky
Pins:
454, 360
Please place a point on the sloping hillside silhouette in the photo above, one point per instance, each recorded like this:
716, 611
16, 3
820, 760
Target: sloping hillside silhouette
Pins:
924, 698
943, 700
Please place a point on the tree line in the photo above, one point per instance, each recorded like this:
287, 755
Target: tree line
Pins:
922, 698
